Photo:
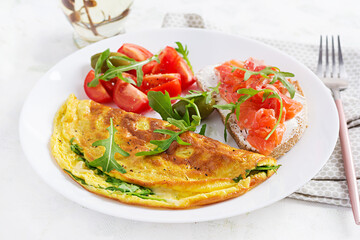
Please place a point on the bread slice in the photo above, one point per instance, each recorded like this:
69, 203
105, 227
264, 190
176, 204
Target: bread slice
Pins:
207, 77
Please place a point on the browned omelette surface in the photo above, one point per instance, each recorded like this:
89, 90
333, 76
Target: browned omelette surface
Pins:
182, 177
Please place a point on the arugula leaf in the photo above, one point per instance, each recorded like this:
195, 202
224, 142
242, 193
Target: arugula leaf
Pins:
277, 75
82, 181
181, 142
196, 122
132, 189
261, 169
117, 71
118, 185
120, 76
237, 179
288, 86
79, 151
124, 187
257, 168
99, 63
161, 103
181, 124
163, 145
123, 58
266, 167
128, 80
248, 93
231, 107
184, 52
202, 130
76, 148
225, 128
102, 58
107, 162
207, 94
191, 103
186, 116
210, 93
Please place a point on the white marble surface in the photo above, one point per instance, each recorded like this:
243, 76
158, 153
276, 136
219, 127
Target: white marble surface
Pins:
34, 36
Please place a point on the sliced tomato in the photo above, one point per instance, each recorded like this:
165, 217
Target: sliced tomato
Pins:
187, 76
148, 68
110, 85
155, 80
127, 97
135, 52
98, 93
138, 53
171, 62
173, 88
168, 59
128, 75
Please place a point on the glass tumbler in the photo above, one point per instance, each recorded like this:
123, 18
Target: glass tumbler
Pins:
94, 20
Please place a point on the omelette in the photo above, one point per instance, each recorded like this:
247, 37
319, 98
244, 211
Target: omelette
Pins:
184, 176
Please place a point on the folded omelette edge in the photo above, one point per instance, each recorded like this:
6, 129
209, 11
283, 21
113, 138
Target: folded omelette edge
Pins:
182, 177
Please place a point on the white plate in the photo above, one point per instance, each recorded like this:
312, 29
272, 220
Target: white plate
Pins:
206, 47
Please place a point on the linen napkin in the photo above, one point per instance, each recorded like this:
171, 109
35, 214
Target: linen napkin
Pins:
329, 185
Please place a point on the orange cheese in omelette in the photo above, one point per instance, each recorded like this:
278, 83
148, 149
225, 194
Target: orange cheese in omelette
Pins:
181, 177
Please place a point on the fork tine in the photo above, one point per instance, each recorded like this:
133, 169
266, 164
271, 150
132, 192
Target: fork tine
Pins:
334, 70
342, 72
327, 69
319, 66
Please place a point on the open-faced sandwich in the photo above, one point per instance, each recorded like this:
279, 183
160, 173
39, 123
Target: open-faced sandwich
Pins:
261, 107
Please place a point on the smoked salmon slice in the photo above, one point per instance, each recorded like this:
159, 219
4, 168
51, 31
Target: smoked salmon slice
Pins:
258, 116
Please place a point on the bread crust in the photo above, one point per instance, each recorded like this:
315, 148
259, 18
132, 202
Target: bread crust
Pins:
235, 132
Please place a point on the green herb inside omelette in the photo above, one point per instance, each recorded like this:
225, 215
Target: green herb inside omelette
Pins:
256, 170
118, 186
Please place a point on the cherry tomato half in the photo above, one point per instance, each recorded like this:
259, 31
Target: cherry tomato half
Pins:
135, 52
98, 93
173, 88
127, 97
138, 53
110, 85
155, 80
147, 68
187, 76
168, 59
172, 62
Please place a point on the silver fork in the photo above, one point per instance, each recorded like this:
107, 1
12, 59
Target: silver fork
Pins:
335, 79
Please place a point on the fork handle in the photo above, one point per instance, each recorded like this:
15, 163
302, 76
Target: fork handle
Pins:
348, 160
